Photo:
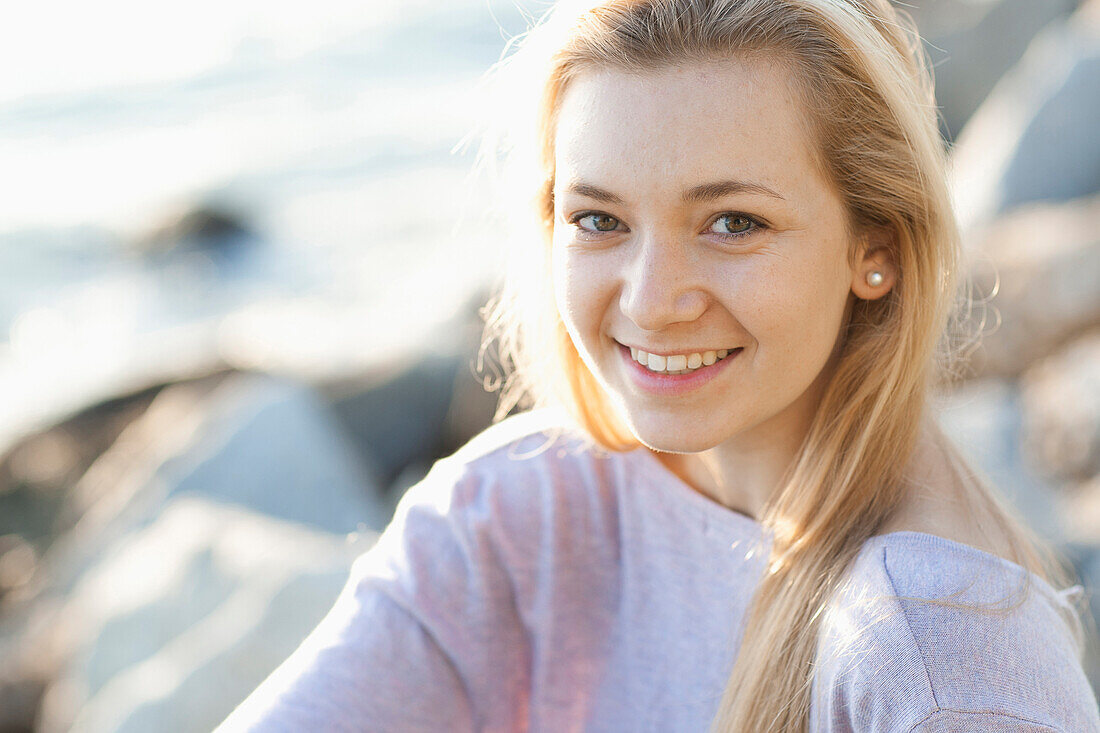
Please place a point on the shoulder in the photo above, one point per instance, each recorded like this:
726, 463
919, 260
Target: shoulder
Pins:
539, 441
479, 518
925, 627
523, 460
525, 486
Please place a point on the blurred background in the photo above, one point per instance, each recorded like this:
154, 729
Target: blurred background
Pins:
241, 260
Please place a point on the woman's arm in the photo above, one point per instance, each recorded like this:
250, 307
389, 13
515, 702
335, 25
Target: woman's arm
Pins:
369, 665
424, 636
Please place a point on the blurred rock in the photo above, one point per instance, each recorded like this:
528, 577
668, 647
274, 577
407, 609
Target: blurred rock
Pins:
982, 418
1043, 263
937, 18
211, 228
19, 706
262, 444
265, 443
272, 445
39, 471
971, 45
18, 562
396, 414
183, 617
421, 405
1061, 401
1080, 509
1034, 138
409, 476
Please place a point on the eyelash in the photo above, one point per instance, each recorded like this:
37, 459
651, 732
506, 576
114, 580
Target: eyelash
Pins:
576, 218
757, 225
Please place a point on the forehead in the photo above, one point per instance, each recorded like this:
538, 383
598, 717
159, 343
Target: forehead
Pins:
739, 117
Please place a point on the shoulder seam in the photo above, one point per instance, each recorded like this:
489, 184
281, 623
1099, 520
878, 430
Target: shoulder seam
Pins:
984, 713
912, 634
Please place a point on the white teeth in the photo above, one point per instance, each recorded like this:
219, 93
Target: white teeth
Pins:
677, 363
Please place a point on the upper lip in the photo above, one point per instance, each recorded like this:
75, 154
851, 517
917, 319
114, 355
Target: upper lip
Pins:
675, 352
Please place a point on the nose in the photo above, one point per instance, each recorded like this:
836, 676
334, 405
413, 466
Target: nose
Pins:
661, 285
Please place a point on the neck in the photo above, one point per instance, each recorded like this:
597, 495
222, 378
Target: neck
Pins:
743, 477
746, 471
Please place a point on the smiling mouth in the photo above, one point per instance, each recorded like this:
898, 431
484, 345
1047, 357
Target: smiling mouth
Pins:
680, 363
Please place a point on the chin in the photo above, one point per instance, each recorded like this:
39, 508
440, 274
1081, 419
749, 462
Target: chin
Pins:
672, 438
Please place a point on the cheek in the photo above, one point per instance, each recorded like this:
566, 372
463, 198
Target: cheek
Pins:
565, 284
792, 309
577, 291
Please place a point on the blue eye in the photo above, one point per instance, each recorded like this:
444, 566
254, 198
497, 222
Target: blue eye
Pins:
595, 222
734, 225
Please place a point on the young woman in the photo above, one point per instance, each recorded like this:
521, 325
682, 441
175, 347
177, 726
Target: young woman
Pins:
740, 516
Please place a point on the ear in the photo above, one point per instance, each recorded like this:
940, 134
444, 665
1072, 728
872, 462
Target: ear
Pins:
874, 257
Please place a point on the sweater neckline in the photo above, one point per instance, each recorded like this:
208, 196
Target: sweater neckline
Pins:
739, 522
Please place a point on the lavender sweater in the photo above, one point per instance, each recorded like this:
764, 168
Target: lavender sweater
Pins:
527, 585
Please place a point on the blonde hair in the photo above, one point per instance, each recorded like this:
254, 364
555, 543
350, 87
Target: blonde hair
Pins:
868, 92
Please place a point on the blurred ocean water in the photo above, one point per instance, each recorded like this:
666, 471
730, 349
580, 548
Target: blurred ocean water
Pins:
326, 129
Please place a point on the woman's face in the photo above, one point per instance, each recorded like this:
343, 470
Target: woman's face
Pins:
690, 222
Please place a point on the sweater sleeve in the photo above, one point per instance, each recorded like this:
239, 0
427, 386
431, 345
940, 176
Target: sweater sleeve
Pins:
424, 636
931, 636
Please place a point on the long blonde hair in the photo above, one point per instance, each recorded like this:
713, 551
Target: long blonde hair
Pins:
868, 91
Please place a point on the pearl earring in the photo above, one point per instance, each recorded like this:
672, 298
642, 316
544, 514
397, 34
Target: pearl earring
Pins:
874, 279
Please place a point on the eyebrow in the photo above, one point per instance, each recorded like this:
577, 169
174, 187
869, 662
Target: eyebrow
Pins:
697, 194
593, 192
711, 191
